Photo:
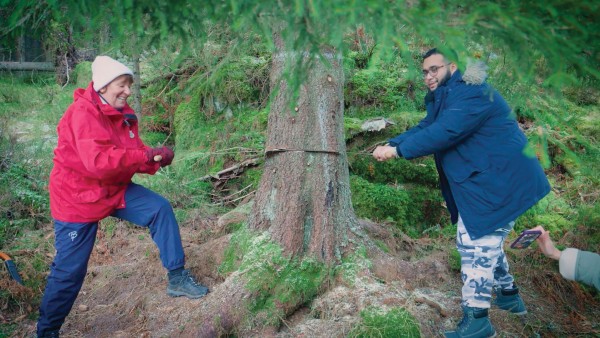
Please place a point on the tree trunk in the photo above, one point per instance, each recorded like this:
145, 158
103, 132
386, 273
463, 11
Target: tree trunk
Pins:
20, 50
65, 55
137, 84
304, 194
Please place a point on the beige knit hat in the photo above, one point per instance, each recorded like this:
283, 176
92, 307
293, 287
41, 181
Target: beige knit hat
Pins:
105, 69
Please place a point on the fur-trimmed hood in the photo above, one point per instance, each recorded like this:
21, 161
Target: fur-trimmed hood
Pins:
475, 73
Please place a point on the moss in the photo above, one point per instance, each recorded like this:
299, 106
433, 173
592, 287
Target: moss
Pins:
454, 260
384, 86
552, 212
189, 130
413, 208
352, 126
274, 278
352, 264
375, 322
420, 171
378, 202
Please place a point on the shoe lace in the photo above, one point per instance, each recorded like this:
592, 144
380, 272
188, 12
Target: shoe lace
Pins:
461, 326
191, 278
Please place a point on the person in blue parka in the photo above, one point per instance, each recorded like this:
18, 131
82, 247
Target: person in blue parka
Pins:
487, 177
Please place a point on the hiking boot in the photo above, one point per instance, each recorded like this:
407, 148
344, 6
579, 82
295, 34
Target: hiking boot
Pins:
510, 300
185, 285
475, 324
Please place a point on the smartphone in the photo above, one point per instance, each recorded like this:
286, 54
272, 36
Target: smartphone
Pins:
525, 239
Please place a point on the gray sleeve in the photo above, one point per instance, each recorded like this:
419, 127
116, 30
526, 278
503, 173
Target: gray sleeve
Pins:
582, 266
567, 262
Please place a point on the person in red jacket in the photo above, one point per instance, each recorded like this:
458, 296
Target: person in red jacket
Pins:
98, 152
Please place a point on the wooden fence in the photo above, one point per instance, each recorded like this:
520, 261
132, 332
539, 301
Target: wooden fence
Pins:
40, 66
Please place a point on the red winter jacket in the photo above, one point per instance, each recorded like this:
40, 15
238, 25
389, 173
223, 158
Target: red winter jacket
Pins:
97, 155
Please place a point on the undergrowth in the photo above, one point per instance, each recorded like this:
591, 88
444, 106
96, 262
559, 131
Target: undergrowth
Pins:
377, 323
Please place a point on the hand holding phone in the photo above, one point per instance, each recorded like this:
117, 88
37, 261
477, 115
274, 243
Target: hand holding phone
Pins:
525, 239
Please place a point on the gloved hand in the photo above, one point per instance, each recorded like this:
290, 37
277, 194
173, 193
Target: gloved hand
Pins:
151, 153
167, 156
165, 153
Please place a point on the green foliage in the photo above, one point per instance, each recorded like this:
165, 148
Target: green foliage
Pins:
28, 251
585, 93
563, 33
183, 191
375, 322
25, 161
209, 96
241, 81
27, 197
251, 178
352, 127
82, 74
153, 138
207, 146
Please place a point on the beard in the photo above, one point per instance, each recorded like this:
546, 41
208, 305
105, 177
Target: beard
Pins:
444, 79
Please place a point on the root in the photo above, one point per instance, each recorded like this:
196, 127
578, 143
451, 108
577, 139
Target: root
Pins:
434, 305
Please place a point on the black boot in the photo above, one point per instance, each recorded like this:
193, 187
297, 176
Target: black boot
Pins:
510, 300
475, 324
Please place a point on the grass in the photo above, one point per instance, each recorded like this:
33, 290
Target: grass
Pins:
377, 323
30, 107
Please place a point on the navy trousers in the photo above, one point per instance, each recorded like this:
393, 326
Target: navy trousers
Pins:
74, 243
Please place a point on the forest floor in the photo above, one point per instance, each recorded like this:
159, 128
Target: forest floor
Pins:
124, 290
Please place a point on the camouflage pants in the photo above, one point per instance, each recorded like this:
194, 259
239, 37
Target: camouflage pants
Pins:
483, 265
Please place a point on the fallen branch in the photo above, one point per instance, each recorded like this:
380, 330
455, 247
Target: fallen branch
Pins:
232, 198
236, 169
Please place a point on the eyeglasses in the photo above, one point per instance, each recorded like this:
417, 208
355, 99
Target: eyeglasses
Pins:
433, 70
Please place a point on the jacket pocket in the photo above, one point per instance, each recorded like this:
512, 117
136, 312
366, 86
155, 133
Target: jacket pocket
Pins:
87, 190
459, 167
91, 195
486, 190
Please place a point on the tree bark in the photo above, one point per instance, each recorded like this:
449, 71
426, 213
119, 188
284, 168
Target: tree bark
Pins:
303, 198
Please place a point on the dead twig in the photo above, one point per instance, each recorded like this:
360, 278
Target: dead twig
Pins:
433, 304
232, 170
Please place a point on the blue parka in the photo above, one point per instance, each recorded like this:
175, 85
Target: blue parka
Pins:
479, 153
